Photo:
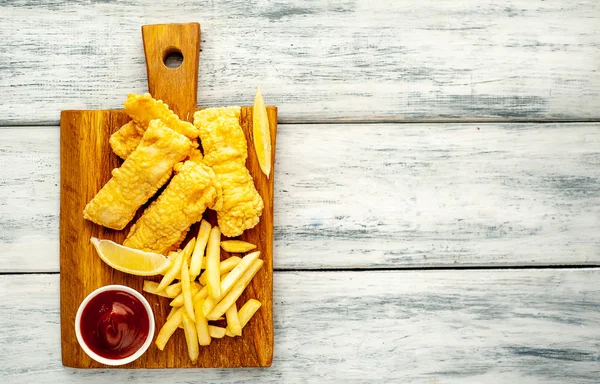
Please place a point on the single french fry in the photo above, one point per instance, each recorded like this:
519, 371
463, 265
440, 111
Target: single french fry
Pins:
168, 329
189, 248
172, 312
248, 310
186, 291
245, 314
236, 291
228, 282
178, 301
213, 259
191, 337
237, 246
233, 321
224, 267
216, 332
171, 274
201, 324
198, 254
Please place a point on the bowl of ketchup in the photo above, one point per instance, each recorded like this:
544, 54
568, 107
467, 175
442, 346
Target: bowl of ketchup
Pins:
114, 325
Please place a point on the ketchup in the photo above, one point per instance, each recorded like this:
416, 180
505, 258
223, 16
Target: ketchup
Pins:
114, 324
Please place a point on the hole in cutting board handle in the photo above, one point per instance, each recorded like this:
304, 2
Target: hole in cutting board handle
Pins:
173, 58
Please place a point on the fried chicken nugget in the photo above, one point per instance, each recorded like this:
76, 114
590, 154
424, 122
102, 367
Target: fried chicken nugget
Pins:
143, 109
225, 151
147, 169
165, 223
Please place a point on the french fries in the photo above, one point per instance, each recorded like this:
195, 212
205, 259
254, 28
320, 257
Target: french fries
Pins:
178, 301
245, 314
236, 246
200, 298
225, 266
173, 290
233, 320
198, 254
186, 291
213, 259
216, 332
191, 337
236, 291
228, 282
151, 286
201, 324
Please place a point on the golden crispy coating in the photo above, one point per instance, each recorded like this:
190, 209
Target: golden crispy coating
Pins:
166, 221
225, 150
126, 139
143, 109
147, 169
195, 155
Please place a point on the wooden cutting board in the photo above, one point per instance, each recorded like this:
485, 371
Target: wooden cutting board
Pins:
86, 162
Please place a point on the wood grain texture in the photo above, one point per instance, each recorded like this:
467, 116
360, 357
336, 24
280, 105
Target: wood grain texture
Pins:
357, 60
178, 87
86, 164
532, 326
404, 195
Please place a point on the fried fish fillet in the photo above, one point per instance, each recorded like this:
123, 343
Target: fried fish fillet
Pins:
143, 109
225, 151
166, 221
147, 169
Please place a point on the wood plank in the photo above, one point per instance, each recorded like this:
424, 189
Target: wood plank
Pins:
29, 199
410, 195
316, 60
86, 161
528, 326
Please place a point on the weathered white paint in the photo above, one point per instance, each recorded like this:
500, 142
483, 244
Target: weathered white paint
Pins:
505, 326
317, 60
383, 195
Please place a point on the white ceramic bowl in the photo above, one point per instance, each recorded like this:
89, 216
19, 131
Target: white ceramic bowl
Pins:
139, 352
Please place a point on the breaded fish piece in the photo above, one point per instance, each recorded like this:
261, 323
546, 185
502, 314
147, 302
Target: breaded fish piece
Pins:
165, 223
147, 169
143, 109
225, 151
126, 139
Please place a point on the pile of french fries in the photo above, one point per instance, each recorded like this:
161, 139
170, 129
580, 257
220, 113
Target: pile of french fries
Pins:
200, 297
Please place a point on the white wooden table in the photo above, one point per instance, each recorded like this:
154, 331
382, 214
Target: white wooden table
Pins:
437, 179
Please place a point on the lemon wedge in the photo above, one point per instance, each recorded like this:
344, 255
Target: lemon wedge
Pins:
130, 260
261, 133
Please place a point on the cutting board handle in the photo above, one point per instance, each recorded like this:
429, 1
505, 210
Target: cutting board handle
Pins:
178, 87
